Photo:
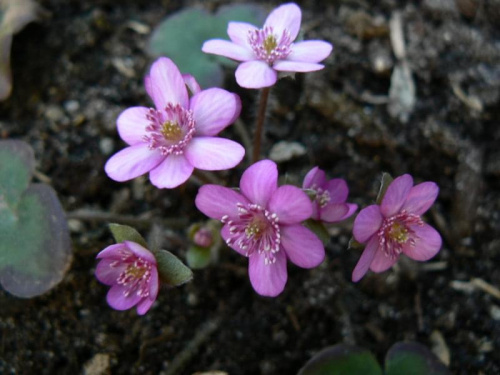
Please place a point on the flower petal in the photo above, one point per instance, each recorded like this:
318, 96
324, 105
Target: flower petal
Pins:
287, 16
312, 51
166, 84
108, 274
296, 66
217, 201
112, 251
427, 243
144, 306
338, 190
366, 260
132, 124
117, 300
268, 279
367, 223
238, 32
132, 162
421, 198
228, 49
302, 246
255, 75
154, 284
291, 205
334, 212
396, 194
172, 172
148, 87
259, 182
213, 110
214, 153
381, 262
314, 178
191, 83
140, 251
226, 235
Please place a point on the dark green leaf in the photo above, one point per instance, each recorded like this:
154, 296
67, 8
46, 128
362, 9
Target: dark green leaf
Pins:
413, 359
171, 270
125, 233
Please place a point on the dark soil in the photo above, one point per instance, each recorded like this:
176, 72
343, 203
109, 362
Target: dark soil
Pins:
77, 69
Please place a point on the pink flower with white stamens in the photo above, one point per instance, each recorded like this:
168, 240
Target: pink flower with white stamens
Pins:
330, 197
169, 141
267, 51
263, 223
395, 227
131, 271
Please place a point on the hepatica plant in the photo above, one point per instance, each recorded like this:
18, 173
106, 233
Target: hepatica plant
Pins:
35, 247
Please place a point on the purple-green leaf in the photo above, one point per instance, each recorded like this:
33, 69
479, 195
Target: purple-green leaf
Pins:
411, 358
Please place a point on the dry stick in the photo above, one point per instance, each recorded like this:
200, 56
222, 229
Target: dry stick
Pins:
259, 124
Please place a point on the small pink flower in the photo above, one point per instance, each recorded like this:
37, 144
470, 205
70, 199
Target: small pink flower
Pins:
130, 270
269, 50
329, 203
263, 223
180, 134
395, 227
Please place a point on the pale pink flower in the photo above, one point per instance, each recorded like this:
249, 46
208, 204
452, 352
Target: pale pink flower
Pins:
395, 227
267, 51
131, 271
180, 134
263, 223
330, 197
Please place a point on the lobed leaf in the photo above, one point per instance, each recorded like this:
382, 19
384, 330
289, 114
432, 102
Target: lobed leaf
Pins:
411, 358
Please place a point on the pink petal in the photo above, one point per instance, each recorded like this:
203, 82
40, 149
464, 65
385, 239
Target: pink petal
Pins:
132, 162
117, 299
315, 177
338, 190
312, 51
302, 246
226, 235
367, 223
255, 75
132, 124
112, 251
213, 153
291, 205
427, 243
191, 83
238, 32
421, 198
395, 196
268, 279
287, 16
140, 251
216, 201
213, 110
172, 172
148, 86
334, 212
352, 209
107, 274
296, 66
227, 49
381, 262
366, 259
154, 284
259, 182
144, 306
167, 85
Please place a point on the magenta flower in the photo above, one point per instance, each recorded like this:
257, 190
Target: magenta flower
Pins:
269, 50
395, 227
179, 135
263, 223
130, 270
330, 196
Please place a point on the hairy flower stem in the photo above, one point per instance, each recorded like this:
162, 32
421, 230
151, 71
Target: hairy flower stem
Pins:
259, 123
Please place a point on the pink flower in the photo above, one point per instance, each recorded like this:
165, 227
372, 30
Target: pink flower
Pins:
179, 135
395, 227
269, 50
130, 270
263, 223
329, 203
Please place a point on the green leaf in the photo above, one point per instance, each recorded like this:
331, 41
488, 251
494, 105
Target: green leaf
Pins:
413, 359
171, 269
342, 359
198, 257
123, 233
318, 229
384, 184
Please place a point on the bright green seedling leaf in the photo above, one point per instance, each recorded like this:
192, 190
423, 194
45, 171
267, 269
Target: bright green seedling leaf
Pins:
181, 35
123, 233
384, 184
319, 229
413, 359
171, 269
35, 250
198, 257
342, 359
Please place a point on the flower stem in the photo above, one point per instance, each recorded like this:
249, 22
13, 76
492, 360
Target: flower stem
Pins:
259, 124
